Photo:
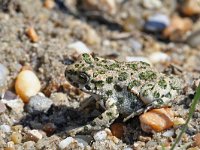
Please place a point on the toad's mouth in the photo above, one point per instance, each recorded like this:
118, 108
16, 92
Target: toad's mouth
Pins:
94, 92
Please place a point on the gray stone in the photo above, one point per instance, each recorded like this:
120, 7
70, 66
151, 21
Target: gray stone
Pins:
2, 107
194, 39
38, 104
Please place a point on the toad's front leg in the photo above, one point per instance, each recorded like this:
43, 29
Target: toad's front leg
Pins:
104, 120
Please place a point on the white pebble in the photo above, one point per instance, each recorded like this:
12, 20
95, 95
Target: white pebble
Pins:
80, 47
3, 74
81, 142
157, 57
101, 135
64, 143
5, 128
35, 133
132, 58
168, 133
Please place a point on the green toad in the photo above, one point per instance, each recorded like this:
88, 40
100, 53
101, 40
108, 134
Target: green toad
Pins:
126, 88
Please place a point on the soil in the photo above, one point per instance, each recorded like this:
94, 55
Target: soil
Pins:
114, 36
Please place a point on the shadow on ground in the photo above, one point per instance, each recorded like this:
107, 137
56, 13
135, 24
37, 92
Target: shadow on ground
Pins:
57, 120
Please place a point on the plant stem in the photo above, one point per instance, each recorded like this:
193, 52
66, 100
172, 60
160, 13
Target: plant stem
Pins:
191, 112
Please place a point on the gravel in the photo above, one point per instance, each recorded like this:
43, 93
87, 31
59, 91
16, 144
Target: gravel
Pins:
66, 28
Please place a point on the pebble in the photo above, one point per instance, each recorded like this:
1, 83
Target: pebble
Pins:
3, 69
178, 27
156, 23
196, 83
108, 6
38, 104
16, 137
100, 135
31, 33
49, 4
191, 7
16, 105
2, 108
17, 128
5, 128
49, 128
34, 135
85, 138
29, 145
10, 145
9, 95
136, 45
196, 139
79, 140
178, 121
59, 98
27, 84
194, 39
159, 57
3, 75
157, 120
152, 4
66, 142
48, 143
138, 58
117, 130
168, 133
80, 47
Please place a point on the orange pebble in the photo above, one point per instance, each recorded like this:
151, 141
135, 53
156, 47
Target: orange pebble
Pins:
197, 139
27, 84
32, 34
178, 24
191, 7
117, 130
157, 120
49, 4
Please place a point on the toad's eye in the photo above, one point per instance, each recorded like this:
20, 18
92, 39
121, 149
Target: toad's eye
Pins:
83, 78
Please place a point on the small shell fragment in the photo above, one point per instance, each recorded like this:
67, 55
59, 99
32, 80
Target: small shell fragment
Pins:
27, 84
157, 120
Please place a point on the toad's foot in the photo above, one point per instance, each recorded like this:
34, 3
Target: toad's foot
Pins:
104, 120
133, 114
